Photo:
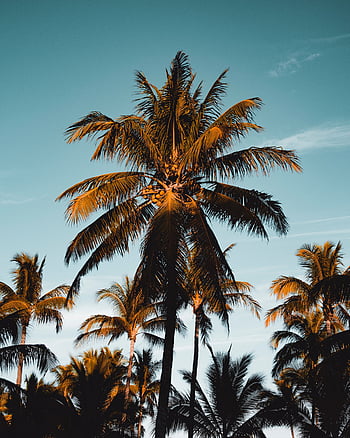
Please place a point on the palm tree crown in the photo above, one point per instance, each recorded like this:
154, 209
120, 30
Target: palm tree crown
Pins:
223, 409
132, 317
327, 287
178, 151
28, 301
175, 148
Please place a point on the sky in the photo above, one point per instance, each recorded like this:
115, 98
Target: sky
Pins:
63, 59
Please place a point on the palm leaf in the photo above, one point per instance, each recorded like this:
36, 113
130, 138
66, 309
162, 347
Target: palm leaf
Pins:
38, 355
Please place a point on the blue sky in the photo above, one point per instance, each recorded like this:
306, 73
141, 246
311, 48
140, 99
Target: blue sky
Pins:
63, 59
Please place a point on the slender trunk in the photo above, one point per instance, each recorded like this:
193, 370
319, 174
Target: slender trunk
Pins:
128, 378
292, 431
167, 362
194, 374
139, 426
129, 371
21, 357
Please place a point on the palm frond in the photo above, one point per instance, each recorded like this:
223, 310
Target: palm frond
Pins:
244, 162
33, 354
118, 226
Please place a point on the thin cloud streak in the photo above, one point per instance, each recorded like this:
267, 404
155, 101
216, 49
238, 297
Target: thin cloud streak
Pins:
314, 233
320, 137
332, 39
293, 64
293, 236
16, 202
247, 339
317, 221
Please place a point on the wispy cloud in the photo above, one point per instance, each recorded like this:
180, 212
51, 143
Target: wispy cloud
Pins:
10, 201
292, 64
331, 39
316, 233
317, 221
325, 136
336, 231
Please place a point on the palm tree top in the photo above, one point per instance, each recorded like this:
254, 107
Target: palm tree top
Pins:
326, 286
177, 149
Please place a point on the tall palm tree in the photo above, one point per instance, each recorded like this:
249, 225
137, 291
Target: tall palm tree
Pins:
204, 303
145, 385
28, 300
223, 409
133, 317
178, 152
327, 287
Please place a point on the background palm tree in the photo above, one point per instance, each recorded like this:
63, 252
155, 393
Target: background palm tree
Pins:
132, 317
178, 149
283, 407
31, 354
327, 287
94, 385
203, 302
39, 410
145, 385
28, 301
309, 359
222, 410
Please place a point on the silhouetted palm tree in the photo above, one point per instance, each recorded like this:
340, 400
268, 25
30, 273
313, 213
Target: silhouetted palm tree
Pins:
27, 299
327, 287
310, 357
94, 385
133, 317
283, 407
145, 385
178, 149
40, 410
11, 352
203, 303
223, 409
306, 342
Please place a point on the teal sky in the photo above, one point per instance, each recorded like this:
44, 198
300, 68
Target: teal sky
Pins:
63, 59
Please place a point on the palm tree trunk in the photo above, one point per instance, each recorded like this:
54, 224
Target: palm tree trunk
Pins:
292, 431
139, 425
21, 357
194, 374
167, 362
128, 379
129, 371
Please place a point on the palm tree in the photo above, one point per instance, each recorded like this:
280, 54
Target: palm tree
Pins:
132, 317
94, 385
306, 341
27, 299
40, 410
203, 303
178, 152
30, 354
327, 287
283, 407
222, 410
38, 355
145, 385
310, 356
